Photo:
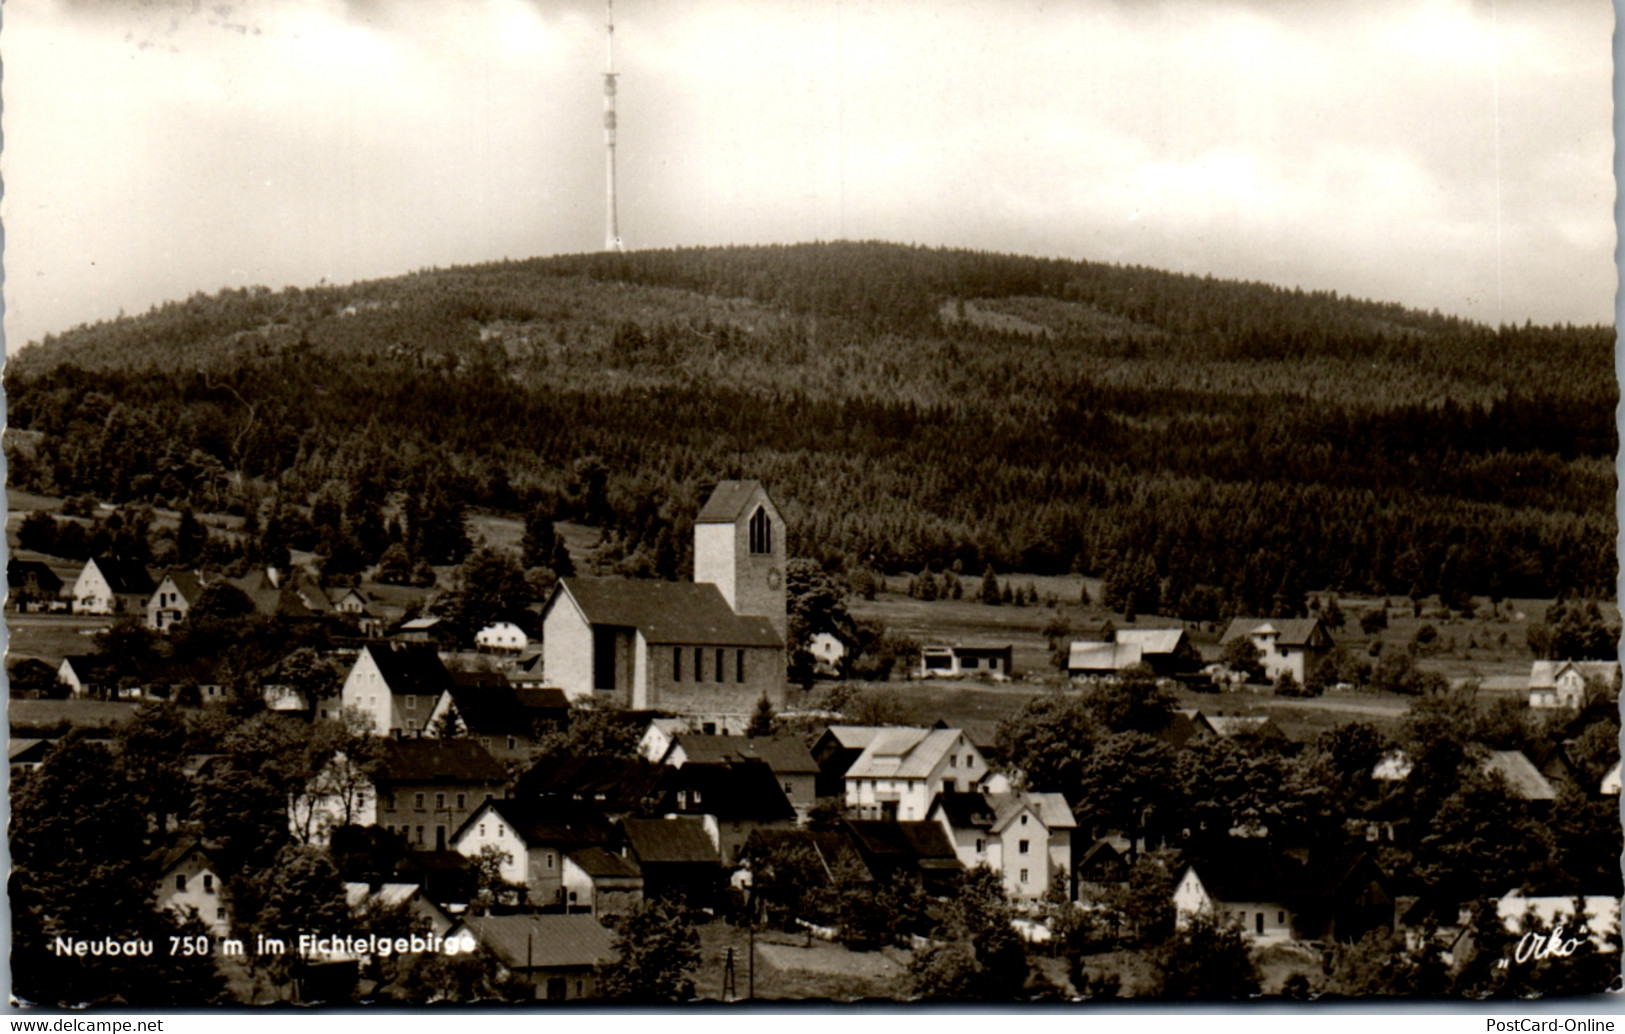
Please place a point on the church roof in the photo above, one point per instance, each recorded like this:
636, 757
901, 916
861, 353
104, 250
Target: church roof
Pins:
728, 500
683, 613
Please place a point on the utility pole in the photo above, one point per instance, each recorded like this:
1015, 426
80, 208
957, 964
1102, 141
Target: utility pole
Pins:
612, 230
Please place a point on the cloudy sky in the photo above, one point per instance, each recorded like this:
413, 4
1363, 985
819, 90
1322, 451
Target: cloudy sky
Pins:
1449, 154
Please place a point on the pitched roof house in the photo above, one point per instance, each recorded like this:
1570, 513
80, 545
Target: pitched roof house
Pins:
30, 581
678, 858
901, 770
786, 756
1168, 651
109, 586
534, 835
175, 595
1562, 684
919, 848
1278, 898
1025, 837
711, 647
187, 883
558, 955
615, 786
1085, 658
397, 685
504, 720
1285, 645
731, 798
601, 882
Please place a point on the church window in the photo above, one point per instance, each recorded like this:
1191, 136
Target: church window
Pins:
677, 664
719, 666
739, 665
761, 531
699, 664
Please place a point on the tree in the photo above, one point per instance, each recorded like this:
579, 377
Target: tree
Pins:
1382, 963
32, 678
314, 675
990, 593
540, 539
1049, 742
762, 720
1374, 621
1242, 655
979, 922
1574, 630
815, 603
190, 538
656, 950
1208, 958
1333, 615
1058, 634
301, 890
488, 587
1133, 702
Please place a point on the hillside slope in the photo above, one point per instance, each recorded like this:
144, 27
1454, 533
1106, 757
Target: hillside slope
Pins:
906, 406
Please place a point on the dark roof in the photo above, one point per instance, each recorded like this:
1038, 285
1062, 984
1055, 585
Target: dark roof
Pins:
615, 784
728, 500
187, 583
438, 761
1099, 856
125, 577
913, 842
783, 754
497, 710
478, 679
1248, 871
560, 823
541, 698
84, 665
543, 941
171, 855
19, 571
410, 668
966, 810
685, 613
669, 841
1181, 727
837, 852
742, 790
595, 861
434, 861
1294, 631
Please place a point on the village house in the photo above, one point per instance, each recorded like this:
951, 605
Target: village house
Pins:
901, 771
914, 849
732, 799
109, 586
535, 835
1168, 651
396, 685
82, 674
1089, 659
32, 585
1277, 898
615, 786
959, 661
174, 596
1294, 646
188, 883
600, 882
827, 652
678, 858
1025, 837
504, 720
25, 754
785, 756
713, 647
369, 900
426, 788
1562, 685
355, 607
558, 955
501, 637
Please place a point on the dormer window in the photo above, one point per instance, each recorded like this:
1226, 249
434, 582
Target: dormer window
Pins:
761, 531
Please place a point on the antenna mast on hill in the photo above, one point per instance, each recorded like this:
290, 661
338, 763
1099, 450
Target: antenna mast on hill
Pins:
612, 232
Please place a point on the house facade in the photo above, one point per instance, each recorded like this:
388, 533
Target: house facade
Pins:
1025, 837
397, 686
1292, 646
187, 883
534, 836
1562, 685
169, 603
961, 661
901, 770
107, 586
558, 955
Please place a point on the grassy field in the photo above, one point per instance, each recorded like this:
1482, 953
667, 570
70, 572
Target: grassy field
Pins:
51, 637
788, 968
25, 714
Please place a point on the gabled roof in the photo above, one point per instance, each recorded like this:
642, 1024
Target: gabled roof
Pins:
27, 749
124, 577
921, 843
1183, 725
965, 810
669, 841
1087, 656
172, 854
599, 863
543, 941
1152, 640
541, 698
19, 571
437, 761
410, 668
83, 666
555, 823
904, 753
741, 790
478, 679
503, 710
783, 754
1245, 871
837, 853
388, 895
853, 737
614, 784
1243, 725
186, 583
666, 613
728, 501
1520, 774
1544, 674
1291, 631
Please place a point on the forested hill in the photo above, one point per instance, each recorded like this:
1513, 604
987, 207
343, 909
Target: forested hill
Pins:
1234, 443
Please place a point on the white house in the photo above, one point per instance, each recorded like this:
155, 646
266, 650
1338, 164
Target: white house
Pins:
502, 637
175, 595
397, 685
107, 586
1025, 837
902, 770
995, 662
534, 836
1610, 782
187, 882
1254, 895
1555, 685
827, 652
1285, 645
713, 647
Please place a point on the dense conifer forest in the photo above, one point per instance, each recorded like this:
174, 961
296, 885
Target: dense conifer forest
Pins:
1234, 445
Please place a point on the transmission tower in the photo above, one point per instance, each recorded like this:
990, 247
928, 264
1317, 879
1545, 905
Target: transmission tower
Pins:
612, 231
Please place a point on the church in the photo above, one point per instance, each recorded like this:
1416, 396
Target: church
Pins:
710, 649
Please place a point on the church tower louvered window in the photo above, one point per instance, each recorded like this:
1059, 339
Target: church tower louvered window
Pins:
761, 532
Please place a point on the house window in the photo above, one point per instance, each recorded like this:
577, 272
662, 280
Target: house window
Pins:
1280, 918
220, 913
389, 802
420, 836
1024, 820
1259, 925
677, 664
411, 703
719, 665
968, 663
461, 799
180, 882
992, 664
761, 532
739, 665
208, 883
439, 802
1021, 847
949, 786
482, 829
981, 846
1024, 876
788, 789
485, 741
417, 803
550, 859
696, 796
603, 658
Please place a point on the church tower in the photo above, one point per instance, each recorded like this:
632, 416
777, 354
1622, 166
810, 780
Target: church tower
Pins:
739, 547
